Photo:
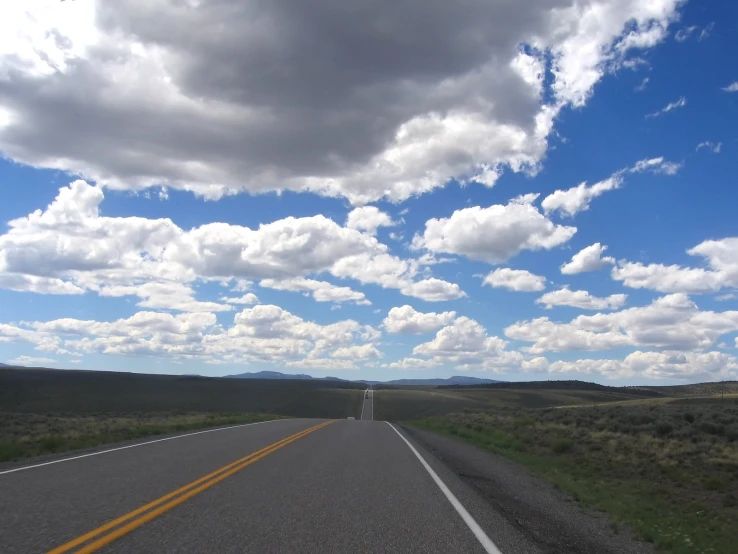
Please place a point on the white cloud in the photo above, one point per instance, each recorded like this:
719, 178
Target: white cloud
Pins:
712, 146
321, 291
459, 98
587, 259
515, 279
465, 345
358, 352
413, 364
732, 87
493, 234
247, 299
167, 296
643, 84
656, 165
581, 299
31, 360
694, 366
683, 34
433, 290
576, 199
263, 334
40, 285
671, 322
722, 259
69, 247
680, 103
405, 319
368, 218
728, 296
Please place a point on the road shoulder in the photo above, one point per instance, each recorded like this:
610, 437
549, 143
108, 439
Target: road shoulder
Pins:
547, 517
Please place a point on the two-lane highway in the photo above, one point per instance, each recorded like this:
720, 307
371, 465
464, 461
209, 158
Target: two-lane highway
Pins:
367, 408
306, 486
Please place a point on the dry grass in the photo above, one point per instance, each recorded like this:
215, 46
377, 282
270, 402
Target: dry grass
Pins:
668, 470
23, 434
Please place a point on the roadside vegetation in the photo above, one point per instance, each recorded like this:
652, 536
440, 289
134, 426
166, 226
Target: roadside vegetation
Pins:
23, 435
667, 468
42, 391
45, 411
398, 404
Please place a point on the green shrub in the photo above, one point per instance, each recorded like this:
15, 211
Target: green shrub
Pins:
562, 446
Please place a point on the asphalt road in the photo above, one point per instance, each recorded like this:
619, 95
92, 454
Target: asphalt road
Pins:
344, 487
367, 410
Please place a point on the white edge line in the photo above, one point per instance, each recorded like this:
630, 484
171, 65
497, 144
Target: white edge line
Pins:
482, 537
134, 446
361, 417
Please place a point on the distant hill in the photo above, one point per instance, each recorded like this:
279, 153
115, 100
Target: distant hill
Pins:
456, 380
278, 375
562, 386
5, 365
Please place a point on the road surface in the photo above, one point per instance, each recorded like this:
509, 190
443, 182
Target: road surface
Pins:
330, 487
367, 409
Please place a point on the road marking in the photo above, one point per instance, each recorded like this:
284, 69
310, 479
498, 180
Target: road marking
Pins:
482, 537
363, 401
372, 405
153, 509
135, 445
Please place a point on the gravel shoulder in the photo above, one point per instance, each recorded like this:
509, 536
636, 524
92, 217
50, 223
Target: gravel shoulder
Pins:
549, 518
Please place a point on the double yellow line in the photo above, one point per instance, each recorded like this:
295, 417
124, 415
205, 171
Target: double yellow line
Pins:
138, 517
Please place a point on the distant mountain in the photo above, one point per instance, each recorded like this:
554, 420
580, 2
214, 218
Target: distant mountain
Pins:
5, 365
278, 375
455, 380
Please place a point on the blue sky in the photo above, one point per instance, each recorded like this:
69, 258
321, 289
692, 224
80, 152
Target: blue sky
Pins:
395, 206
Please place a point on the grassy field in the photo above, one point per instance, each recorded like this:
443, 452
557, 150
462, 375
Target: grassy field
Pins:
44, 410
42, 391
24, 434
417, 402
667, 469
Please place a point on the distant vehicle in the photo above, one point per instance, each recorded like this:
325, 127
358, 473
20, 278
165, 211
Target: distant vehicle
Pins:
350, 417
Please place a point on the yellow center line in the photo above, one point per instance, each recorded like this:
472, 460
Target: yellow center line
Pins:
186, 492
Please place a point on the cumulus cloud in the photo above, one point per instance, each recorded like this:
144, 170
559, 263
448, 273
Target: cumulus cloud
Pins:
732, 87
247, 299
576, 199
680, 103
515, 279
368, 218
695, 366
69, 247
722, 260
588, 259
263, 333
368, 103
671, 322
466, 345
168, 296
581, 299
321, 291
405, 319
493, 234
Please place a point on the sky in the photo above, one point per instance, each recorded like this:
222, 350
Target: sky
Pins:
536, 190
